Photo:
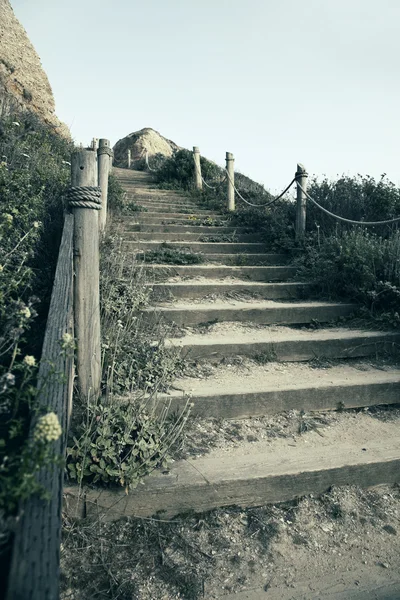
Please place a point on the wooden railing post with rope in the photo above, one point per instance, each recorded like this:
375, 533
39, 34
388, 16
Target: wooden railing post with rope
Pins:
85, 202
104, 153
74, 312
230, 182
301, 180
197, 168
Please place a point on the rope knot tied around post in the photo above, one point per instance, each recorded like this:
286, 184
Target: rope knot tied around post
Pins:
104, 150
84, 197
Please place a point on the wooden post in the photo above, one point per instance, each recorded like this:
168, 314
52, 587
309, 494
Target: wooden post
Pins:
230, 167
197, 168
129, 159
111, 160
86, 266
95, 144
103, 164
301, 177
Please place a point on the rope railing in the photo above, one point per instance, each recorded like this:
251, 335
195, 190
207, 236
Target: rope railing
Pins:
205, 182
287, 188
339, 218
300, 179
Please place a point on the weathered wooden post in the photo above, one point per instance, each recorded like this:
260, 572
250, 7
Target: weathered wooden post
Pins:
197, 168
111, 159
230, 168
129, 159
103, 163
301, 179
85, 201
95, 144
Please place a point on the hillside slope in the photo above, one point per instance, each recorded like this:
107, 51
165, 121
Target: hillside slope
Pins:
23, 82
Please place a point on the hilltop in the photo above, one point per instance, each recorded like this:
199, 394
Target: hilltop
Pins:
139, 142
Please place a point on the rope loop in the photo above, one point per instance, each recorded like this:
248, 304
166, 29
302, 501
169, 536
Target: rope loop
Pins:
84, 197
104, 150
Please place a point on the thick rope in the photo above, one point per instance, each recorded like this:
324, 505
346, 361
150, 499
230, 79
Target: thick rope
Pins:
260, 205
326, 211
202, 178
84, 197
104, 150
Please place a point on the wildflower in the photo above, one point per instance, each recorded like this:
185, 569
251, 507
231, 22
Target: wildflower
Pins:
67, 338
36, 224
47, 429
8, 218
1, 268
25, 312
30, 360
16, 124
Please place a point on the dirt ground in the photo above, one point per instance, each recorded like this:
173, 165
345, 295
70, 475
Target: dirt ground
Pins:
342, 545
251, 553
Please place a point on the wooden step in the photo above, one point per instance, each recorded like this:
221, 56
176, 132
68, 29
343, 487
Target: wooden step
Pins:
188, 236
193, 289
200, 230
253, 273
286, 344
261, 311
261, 390
168, 204
235, 259
164, 215
153, 219
200, 247
363, 451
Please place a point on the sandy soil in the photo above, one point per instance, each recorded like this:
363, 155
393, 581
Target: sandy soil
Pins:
315, 548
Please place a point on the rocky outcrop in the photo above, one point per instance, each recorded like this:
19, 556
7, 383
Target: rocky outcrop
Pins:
138, 143
23, 82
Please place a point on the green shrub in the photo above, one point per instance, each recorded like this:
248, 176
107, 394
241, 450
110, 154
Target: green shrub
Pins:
360, 198
33, 177
359, 266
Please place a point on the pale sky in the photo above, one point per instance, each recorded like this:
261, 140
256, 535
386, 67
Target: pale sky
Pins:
275, 82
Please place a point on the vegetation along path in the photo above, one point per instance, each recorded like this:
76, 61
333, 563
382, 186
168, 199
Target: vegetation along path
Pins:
238, 316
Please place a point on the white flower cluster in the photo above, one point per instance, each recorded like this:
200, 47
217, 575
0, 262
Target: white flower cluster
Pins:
47, 429
30, 360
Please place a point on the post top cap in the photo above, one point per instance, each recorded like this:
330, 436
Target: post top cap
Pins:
104, 143
229, 155
196, 149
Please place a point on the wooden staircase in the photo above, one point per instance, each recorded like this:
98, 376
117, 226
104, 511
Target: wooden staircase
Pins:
248, 305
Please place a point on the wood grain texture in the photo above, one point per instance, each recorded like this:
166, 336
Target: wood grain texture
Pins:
34, 573
86, 289
103, 164
197, 168
230, 180
251, 479
301, 206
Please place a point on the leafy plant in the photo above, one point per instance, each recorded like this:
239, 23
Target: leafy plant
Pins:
33, 177
119, 443
167, 254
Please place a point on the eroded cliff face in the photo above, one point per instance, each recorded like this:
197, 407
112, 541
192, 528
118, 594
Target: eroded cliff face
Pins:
138, 143
23, 82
